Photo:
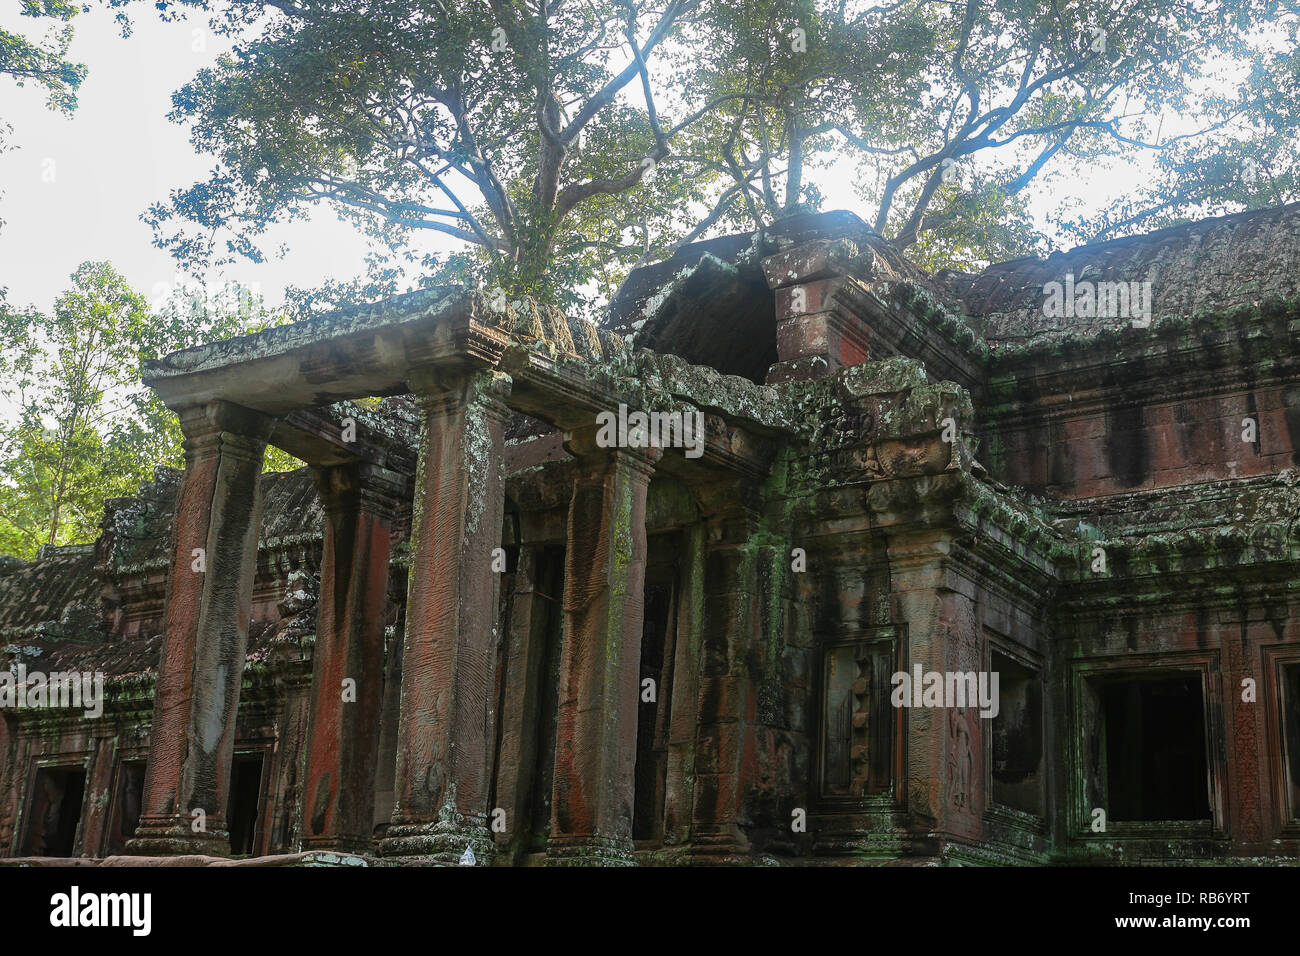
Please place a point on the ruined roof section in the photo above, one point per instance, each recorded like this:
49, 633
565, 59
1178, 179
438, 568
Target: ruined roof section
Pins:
50, 608
712, 304
633, 300
708, 303
113, 659
291, 508
394, 419
124, 659
135, 532
1208, 266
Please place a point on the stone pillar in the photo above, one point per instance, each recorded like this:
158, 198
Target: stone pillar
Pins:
815, 334
740, 780
446, 726
728, 701
97, 815
604, 595
521, 703
385, 771
679, 784
348, 661
205, 636
8, 785
1244, 790
944, 792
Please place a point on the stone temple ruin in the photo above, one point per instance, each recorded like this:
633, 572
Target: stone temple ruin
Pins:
470, 623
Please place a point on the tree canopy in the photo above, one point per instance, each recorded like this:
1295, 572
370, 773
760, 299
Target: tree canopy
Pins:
43, 61
85, 428
564, 141
954, 110
504, 125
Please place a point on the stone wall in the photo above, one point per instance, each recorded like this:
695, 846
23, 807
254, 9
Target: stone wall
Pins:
577, 653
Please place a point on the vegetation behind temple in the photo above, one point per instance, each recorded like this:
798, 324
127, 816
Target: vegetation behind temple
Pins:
79, 426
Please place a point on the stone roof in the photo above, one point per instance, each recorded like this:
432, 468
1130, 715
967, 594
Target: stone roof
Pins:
135, 531
1211, 265
291, 507
709, 302
113, 659
56, 596
281, 339
50, 608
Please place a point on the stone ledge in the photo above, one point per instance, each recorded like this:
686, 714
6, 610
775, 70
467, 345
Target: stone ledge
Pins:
311, 858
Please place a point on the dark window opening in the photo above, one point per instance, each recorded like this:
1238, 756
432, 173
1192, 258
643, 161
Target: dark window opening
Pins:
857, 719
126, 805
55, 812
1291, 735
658, 635
1155, 749
1017, 733
245, 797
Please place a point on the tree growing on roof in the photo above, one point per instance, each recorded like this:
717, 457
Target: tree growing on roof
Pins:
956, 110
563, 142
532, 133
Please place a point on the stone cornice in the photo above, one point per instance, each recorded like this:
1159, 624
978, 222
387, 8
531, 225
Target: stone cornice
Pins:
741, 419
1201, 355
352, 353
901, 318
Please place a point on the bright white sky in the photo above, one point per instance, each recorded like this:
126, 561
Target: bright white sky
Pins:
118, 153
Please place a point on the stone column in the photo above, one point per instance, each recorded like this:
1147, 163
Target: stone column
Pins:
728, 697
521, 703
679, 785
348, 661
205, 636
8, 786
446, 726
97, 817
944, 792
604, 582
738, 780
